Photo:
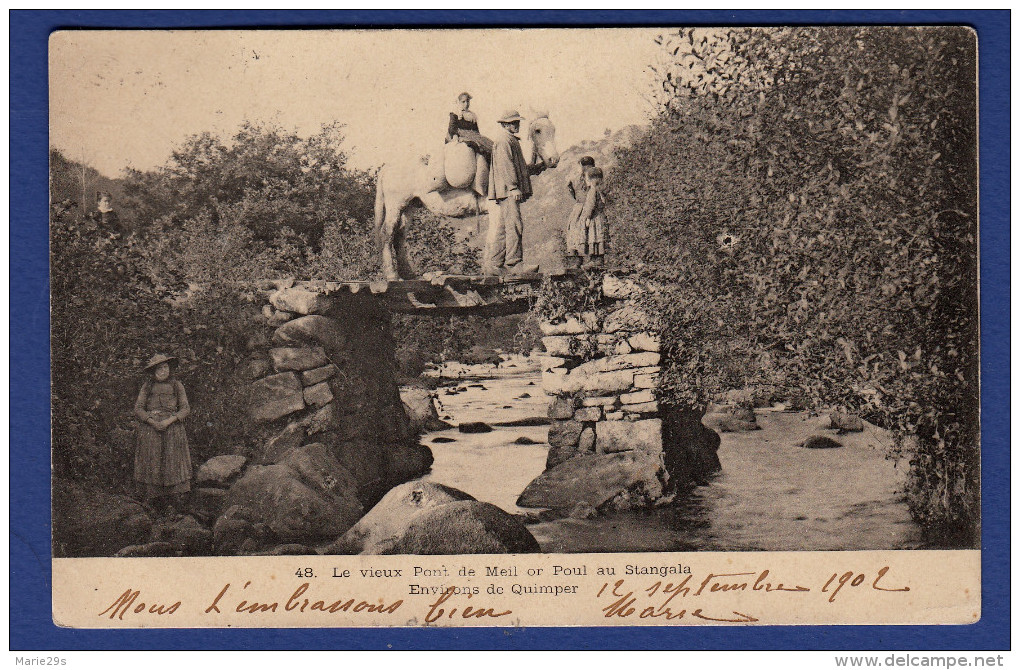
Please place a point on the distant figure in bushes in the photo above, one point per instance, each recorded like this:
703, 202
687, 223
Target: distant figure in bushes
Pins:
162, 457
586, 228
104, 214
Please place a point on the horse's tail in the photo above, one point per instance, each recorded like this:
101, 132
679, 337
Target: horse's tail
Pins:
380, 208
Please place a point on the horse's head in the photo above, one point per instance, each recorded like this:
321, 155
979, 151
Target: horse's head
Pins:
542, 134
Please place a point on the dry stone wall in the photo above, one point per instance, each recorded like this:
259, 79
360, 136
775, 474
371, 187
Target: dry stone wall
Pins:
601, 370
332, 433
330, 377
613, 445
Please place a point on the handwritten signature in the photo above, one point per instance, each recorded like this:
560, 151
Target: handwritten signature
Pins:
627, 603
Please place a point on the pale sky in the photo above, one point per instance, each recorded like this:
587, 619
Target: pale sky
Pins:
126, 98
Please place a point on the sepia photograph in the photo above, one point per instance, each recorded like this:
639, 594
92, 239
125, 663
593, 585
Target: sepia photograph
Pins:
659, 291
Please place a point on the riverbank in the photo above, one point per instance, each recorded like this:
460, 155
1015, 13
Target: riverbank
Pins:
771, 495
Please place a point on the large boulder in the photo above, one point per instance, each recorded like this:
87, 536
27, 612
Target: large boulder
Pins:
378, 531
407, 461
312, 329
466, 527
186, 535
421, 410
93, 523
298, 358
237, 532
219, 470
596, 480
646, 436
301, 301
306, 497
691, 449
276, 396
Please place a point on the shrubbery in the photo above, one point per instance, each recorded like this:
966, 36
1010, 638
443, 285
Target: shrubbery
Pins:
809, 197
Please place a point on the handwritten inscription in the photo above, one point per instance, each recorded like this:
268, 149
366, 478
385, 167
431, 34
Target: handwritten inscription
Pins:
644, 594
129, 602
297, 602
436, 612
656, 601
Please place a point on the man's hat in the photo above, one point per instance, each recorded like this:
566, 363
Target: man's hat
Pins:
159, 358
510, 116
587, 160
464, 96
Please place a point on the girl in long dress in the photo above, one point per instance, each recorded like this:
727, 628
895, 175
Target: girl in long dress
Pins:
162, 456
586, 231
576, 235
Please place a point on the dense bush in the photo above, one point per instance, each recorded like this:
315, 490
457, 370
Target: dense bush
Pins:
270, 179
115, 302
809, 196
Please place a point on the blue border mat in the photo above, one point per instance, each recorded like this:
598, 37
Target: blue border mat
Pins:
30, 624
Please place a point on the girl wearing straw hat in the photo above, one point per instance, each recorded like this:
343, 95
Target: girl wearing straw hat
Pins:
162, 457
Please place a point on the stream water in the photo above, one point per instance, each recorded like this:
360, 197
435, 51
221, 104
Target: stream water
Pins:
771, 495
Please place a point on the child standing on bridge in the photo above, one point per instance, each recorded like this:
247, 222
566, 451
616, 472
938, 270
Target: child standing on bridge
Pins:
586, 229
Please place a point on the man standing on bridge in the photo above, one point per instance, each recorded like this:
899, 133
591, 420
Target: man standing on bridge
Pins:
509, 186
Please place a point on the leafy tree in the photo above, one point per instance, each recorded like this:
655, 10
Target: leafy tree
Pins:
809, 197
267, 178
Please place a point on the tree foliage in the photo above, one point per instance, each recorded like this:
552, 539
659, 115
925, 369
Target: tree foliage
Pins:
265, 178
810, 196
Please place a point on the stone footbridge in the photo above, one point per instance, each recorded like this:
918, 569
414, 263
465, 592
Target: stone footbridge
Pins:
326, 381
435, 294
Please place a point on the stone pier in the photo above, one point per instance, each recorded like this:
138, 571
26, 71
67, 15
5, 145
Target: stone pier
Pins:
613, 444
329, 376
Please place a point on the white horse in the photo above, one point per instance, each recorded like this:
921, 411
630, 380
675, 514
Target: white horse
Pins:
399, 186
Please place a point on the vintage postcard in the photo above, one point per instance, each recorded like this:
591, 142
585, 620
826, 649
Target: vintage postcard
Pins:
514, 327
